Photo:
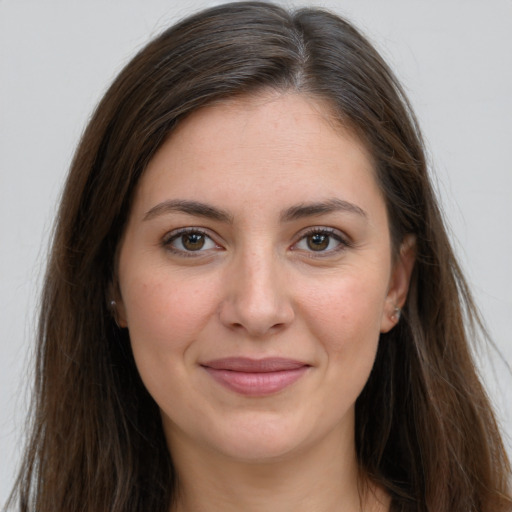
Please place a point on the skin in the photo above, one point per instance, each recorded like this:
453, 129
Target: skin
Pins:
257, 289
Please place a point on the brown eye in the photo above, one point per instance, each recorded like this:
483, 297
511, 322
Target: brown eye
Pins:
318, 241
187, 241
323, 241
193, 241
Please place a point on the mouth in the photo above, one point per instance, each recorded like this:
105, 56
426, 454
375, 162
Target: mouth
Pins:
255, 377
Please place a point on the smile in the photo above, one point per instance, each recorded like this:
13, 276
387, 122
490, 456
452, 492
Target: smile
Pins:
255, 377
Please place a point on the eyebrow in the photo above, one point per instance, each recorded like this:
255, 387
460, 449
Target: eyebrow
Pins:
297, 212
190, 207
321, 208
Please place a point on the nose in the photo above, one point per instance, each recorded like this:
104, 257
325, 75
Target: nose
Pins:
257, 298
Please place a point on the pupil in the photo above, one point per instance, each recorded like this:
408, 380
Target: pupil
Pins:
193, 241
318, 242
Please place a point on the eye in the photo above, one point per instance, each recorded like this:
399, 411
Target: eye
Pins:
189, 240
321, 240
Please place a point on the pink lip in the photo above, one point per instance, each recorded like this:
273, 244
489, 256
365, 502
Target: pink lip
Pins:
255, 377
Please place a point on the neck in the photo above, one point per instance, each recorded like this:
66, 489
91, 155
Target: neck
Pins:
322, 478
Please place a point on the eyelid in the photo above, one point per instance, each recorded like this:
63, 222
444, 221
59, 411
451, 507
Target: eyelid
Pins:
343, 239
340, 236
169, 237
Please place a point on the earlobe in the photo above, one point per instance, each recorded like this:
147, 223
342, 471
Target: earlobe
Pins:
116, 306
399, 283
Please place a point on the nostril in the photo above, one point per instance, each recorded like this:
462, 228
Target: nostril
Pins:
259, 310
254, 329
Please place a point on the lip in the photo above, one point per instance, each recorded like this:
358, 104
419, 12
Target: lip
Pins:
255, 377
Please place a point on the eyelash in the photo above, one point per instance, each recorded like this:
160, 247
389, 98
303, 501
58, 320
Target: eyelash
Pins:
331, 233
175, 235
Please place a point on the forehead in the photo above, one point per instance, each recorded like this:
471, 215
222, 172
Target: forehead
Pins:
273, 120
254, 148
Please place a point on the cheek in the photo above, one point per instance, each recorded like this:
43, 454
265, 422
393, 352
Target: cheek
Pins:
345, 317
165, 316
165, 312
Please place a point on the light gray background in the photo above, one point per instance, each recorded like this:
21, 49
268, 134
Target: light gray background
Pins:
57, 58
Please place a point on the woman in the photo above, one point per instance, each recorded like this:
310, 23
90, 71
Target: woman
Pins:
251, 302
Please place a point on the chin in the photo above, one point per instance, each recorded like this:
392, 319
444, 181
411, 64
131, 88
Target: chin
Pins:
261, 439
259, 450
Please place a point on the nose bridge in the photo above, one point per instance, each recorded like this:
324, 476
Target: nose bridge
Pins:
258, 283
257, 299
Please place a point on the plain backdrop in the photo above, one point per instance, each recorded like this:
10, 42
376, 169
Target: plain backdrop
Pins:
57, 58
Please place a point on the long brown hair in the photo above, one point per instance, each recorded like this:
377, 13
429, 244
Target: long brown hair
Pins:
424, 427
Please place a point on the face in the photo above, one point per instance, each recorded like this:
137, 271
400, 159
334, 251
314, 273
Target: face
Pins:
255, 276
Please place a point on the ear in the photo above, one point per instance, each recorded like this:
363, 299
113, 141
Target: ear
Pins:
399, 283
116, 305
